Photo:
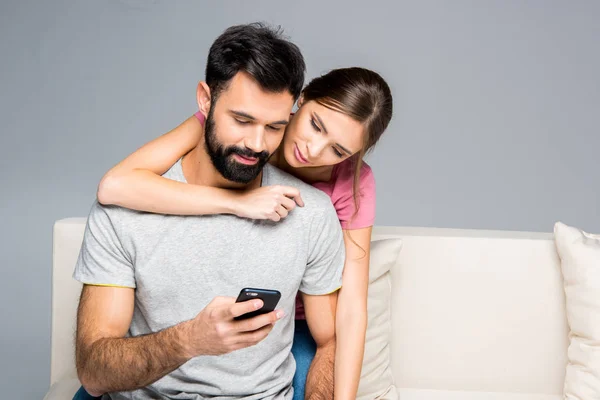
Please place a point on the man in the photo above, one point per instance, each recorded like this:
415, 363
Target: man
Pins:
156, 314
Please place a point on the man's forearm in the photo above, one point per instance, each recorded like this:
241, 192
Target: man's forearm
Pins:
319, 382
124, 364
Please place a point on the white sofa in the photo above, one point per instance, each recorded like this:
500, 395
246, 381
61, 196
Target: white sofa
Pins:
475, 315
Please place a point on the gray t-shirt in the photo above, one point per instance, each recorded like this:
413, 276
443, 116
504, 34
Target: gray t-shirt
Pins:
178, 264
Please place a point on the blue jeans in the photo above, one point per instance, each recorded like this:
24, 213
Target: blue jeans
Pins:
83, 395
303, 350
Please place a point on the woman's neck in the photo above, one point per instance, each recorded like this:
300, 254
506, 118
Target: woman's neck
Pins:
307, 174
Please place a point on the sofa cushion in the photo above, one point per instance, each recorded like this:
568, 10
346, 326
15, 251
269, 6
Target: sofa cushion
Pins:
64, 389
425, 394
376, 376
478, 311
580, 263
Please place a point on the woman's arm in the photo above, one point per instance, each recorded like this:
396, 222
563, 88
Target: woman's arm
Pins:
136, 183
351, 315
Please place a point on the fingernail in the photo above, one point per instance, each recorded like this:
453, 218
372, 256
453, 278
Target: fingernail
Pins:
279, 314
257, 304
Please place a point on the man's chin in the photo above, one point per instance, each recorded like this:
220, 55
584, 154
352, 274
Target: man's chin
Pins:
241, 177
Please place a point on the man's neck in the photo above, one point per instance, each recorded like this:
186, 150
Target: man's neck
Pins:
198, 169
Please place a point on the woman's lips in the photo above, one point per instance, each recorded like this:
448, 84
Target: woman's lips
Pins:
299, 156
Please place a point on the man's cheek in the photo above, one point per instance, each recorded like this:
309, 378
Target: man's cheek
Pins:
275, 142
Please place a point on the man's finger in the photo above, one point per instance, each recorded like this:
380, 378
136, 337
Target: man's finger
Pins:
258, 322
253, 337
244, 307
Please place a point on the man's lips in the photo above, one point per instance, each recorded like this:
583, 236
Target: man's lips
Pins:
245, 160
299, 156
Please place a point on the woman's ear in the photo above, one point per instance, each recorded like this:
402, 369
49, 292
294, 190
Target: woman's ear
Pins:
300, 100
203, 98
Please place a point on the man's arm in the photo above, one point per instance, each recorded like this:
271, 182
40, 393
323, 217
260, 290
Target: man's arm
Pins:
108, 362
320, 317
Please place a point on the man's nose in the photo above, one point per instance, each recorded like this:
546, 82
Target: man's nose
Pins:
255, 141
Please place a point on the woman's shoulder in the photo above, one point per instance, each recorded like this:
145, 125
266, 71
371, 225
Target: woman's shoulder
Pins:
351, 214
344, 174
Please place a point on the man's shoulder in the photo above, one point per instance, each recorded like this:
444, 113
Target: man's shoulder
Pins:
110, 210
309, 193
111, 215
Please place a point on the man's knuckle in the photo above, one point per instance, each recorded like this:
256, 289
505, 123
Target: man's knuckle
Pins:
221, 330
211, 314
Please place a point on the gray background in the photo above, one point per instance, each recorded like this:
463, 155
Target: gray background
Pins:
496, 124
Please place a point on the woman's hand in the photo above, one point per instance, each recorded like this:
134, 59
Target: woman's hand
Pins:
268, 202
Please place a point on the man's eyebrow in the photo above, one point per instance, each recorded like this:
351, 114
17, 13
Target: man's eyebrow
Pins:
250, 117
321, 122
242, 114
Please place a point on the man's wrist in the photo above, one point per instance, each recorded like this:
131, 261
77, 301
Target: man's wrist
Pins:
182, 335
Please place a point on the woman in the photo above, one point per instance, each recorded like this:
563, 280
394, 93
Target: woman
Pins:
341, 116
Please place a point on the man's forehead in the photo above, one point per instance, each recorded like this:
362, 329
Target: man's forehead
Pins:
244, 91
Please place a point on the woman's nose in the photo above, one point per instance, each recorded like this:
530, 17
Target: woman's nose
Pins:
315, 147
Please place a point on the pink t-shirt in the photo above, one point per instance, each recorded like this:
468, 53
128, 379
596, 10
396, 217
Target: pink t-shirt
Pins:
200, 117
340, 189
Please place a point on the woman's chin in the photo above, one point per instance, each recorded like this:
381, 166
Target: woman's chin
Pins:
292, 162
290, 158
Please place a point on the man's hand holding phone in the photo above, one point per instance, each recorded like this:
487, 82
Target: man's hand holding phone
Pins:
216, 329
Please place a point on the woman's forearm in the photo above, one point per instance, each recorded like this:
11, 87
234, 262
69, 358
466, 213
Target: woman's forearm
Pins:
351, 326
145, 191
351, 314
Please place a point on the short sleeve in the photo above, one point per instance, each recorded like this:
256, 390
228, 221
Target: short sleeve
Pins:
364, 217
323, 273
102, 259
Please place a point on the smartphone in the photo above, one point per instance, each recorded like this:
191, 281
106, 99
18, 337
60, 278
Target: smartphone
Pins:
270, 299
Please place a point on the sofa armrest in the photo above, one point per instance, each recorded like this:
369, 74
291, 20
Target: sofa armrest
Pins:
63, 390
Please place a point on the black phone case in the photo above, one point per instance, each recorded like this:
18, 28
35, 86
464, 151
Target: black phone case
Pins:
270, 299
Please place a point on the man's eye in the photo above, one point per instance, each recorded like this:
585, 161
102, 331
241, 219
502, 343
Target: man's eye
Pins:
241, 122
274, 128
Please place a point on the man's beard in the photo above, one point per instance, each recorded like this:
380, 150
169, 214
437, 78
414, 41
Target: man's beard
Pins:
222, 157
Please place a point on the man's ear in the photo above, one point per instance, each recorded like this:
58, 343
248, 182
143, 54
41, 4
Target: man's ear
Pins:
203, 97
301, 100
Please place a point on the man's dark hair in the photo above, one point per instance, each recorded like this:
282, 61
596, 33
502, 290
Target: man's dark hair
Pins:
260, 51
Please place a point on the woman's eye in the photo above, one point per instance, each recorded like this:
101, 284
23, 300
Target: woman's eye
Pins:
312, 122
337, 152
